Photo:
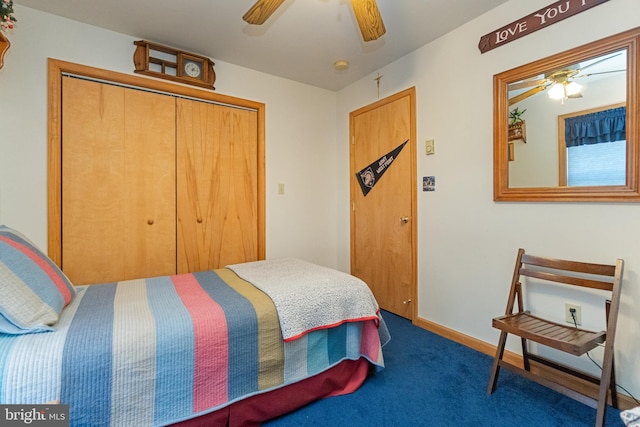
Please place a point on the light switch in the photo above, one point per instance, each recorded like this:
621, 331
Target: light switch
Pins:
280, 188
430, 146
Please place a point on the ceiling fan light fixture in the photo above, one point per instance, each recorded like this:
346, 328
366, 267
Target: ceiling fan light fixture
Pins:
341, 65
572, 89
556, 91
565, 90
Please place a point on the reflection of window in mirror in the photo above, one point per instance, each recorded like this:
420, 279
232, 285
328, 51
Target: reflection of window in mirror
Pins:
592, 148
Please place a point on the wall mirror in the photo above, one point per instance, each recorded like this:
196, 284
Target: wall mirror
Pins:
566, 127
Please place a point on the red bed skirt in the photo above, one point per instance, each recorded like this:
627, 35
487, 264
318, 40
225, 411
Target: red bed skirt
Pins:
344, 378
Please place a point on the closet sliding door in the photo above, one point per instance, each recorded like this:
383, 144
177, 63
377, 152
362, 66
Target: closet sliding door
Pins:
118, 182
148, 178
217, 185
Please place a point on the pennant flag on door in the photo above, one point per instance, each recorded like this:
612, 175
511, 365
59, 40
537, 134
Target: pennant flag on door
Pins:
369, 176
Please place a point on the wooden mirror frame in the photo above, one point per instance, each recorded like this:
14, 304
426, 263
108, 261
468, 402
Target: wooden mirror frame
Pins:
630, 192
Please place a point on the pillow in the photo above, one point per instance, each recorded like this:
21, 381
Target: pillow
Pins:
33, 290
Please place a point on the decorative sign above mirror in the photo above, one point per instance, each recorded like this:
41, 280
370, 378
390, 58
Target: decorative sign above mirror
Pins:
583, 135
545, 17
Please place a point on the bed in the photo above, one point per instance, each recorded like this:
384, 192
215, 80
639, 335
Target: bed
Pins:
233, 346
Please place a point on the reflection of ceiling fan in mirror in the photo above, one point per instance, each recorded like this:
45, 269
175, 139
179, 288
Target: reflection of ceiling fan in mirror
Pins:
561, 83
366, 12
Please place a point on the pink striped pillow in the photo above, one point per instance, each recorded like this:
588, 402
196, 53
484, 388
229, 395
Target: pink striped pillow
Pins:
33, 290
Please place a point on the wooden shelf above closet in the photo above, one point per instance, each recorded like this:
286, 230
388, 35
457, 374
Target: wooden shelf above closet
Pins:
173, 64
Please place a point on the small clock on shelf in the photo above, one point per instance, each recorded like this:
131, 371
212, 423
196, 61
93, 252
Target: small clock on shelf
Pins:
192, 68
172, 64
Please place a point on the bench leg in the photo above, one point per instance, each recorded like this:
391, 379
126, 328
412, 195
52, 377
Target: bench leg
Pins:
607, 384
525, 355
612, 385
495, 370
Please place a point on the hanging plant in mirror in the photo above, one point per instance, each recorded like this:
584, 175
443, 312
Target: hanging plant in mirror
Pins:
517, 129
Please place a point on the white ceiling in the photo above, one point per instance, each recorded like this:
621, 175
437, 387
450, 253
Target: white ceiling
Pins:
301, 41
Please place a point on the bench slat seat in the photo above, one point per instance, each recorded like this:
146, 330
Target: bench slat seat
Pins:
565, 338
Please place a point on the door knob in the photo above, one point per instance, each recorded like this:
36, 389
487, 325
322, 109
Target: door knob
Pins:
404, 219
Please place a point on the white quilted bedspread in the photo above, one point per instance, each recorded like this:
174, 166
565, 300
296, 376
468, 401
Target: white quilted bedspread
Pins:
308, 296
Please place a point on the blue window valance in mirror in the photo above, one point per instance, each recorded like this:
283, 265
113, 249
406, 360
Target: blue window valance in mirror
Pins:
594, 128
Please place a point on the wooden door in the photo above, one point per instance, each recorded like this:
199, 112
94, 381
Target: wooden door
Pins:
118, 182
383, 226
218, 187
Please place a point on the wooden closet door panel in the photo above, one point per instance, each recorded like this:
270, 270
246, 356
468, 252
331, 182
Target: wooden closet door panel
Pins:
217, 176
118, 183
150, 215
93, 178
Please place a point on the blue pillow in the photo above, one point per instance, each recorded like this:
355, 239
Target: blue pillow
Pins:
33, 290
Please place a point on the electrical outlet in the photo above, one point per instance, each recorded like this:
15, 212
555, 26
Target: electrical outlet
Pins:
568, 315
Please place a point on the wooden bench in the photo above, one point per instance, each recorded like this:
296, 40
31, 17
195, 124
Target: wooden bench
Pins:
566, 338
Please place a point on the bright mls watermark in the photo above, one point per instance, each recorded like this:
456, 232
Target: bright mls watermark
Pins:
34, 415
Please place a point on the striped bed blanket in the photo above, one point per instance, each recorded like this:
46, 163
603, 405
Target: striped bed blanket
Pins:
156, 351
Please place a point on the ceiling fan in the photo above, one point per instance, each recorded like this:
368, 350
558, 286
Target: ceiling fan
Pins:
561, 83
366, 12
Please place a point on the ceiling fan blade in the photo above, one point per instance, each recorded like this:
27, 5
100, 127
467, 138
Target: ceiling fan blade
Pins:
598, 73
526, 83
369, 19
601, 60
261, 11
527, 94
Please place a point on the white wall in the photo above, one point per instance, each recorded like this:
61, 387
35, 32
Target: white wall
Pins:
300, 134
467, 242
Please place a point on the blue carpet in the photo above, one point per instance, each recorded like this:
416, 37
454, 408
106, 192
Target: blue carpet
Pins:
431, 381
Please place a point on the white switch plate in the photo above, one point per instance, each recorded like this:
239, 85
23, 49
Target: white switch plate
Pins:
430, 146
280, 188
